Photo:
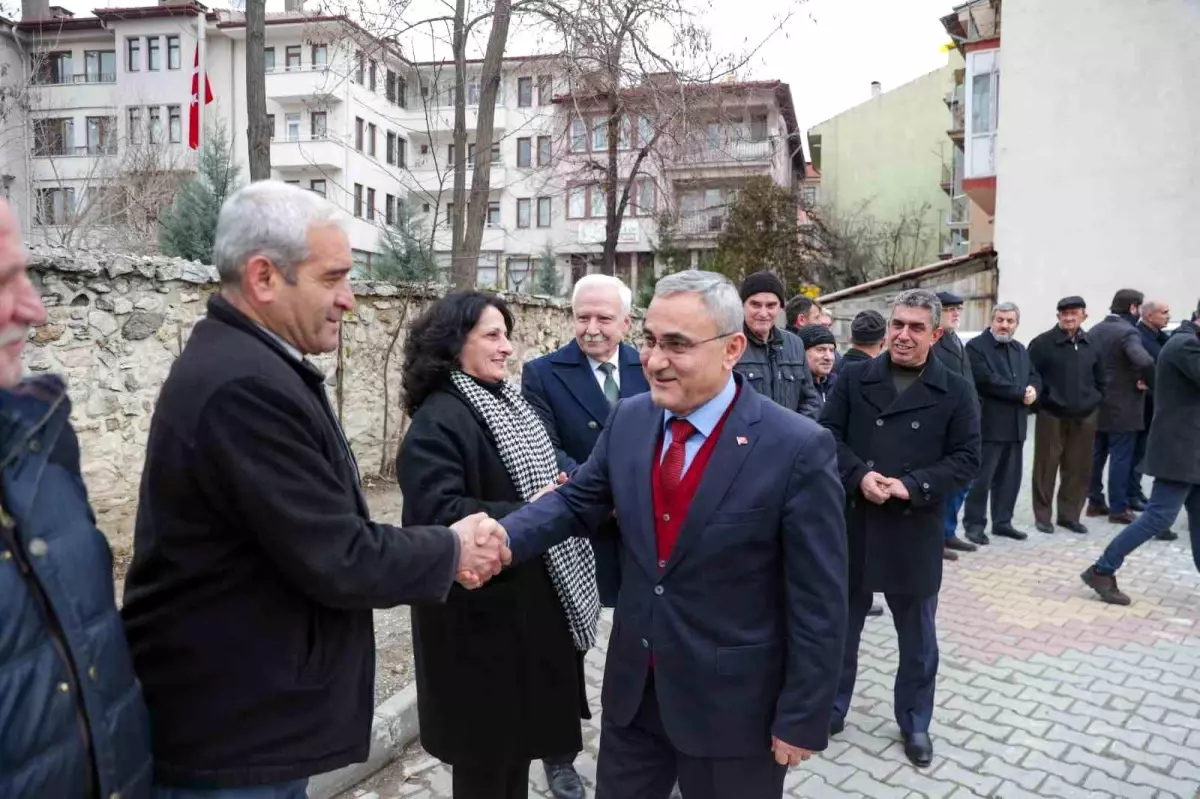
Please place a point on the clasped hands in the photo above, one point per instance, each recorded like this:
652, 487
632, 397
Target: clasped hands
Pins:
879, 489
483, 549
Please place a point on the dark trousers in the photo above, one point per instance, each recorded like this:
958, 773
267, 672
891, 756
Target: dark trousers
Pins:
954, 504
490, 781
1062, 446
1000, 477
1167, 498
1117, 449
638, 761
1135, 476
916, 676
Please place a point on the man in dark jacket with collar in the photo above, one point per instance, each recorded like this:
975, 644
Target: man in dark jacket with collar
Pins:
1072, 385
1128, 373
1007, 386
774, 363
1154, 317
1172, 459
256, 565
908, 436
72, 720
951, 351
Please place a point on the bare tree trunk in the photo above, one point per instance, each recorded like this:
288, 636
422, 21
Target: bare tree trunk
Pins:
488, 89
258, 134
612, 227
462, 268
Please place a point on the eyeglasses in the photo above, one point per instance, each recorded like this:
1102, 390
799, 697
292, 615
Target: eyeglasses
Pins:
673, 345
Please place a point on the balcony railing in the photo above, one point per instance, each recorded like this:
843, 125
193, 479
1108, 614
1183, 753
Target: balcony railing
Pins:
68, 80
706, 152
81, 150
702, 223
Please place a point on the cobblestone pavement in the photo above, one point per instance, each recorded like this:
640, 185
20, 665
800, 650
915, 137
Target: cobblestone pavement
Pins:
1042, 691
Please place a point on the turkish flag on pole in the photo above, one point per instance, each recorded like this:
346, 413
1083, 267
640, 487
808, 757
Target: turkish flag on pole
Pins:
194, 108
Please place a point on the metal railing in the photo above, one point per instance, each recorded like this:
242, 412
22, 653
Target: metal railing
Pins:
80, 77
79, 151
702, 223
960, 211
702, 151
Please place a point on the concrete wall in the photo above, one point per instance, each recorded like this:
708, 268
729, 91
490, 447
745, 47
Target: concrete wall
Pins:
116, 324
1098, 166
889, 152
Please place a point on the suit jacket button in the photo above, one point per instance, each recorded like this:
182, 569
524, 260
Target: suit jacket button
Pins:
662, 564
658, 590
879, 423
593, 425
925, 486
645, 644
870, 464
916, 425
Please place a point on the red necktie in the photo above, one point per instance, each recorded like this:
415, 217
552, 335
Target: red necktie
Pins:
672, 465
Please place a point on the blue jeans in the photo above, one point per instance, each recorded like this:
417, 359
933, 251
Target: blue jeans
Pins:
1117, 449
296, 789
1167, 498
954, 504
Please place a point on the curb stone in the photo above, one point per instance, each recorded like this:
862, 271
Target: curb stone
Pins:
394, 727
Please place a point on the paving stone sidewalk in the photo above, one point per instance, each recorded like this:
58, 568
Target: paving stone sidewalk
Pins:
1043, 691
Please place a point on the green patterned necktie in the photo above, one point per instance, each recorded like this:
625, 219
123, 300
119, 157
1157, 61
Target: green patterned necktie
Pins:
612, 391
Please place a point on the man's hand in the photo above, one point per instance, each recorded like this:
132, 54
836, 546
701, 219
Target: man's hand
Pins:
896, 488
1031, 395
788, 755
560, 480
1141, 386
483, 551
874, 487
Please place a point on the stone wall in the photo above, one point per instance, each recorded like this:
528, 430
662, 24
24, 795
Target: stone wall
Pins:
116, 323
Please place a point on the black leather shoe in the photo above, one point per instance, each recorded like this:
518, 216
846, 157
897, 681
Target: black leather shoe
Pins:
1074, 527
1008, 531
1044, 527
564, 782
836, 726
978, 537
959, 545
919, 748
1167, 535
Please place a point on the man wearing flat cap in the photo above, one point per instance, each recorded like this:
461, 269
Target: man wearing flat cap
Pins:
820, 347
1067, 413
867, 332
774, 363
950, 350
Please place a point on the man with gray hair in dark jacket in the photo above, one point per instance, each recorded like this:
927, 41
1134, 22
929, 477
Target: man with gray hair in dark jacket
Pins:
774, 363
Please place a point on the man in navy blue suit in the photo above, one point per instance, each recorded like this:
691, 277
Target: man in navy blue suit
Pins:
574, 390
727, 637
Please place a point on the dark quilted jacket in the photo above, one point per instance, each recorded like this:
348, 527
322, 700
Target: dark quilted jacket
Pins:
72, 720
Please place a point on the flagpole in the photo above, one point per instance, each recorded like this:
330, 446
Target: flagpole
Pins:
201, 29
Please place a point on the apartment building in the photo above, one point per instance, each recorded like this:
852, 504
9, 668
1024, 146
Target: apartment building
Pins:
354, 120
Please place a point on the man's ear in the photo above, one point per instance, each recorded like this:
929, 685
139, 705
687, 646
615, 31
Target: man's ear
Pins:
937, 334
260, 279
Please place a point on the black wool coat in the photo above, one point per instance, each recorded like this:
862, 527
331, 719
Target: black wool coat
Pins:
927, 437
1002, 372
1173, 448
498, 676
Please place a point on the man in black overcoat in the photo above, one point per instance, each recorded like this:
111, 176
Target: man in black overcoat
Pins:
908, 437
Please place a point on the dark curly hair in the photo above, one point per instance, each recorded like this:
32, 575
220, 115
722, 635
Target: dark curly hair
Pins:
436, 340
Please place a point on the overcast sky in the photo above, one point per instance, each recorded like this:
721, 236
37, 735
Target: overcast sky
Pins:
829, 51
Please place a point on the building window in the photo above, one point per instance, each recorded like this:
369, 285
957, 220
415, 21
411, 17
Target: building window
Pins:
624, 133
362, 262
320, 56
292, 182
319, 125
401, 152
53, 68
271, 125
358, 200
543, 212
518, 272
172, 52
808, 196
101, 135
291, 57
487, 270
401, 92
54, 206
493, 217
524, 209
543, 145
371, 204
154, 53
372, 76
358, 134
524, 154
360, 67
391, 147
596, 200
389, 209
291, 127
578, 136
471, 154
545, 84
577, 202
371, 139
599, 134
645, 131
317, 186
473, 92
135, 125
100, 66
174, 124
268, 59
758, 127
133, 50
53, 136
524, 92
644, 198
155, 124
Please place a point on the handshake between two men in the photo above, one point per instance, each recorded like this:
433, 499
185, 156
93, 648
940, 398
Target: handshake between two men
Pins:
483, 549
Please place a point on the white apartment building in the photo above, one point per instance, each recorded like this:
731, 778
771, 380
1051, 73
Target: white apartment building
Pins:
355, 121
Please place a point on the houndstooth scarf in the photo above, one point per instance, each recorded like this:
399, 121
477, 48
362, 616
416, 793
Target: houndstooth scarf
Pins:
528, 455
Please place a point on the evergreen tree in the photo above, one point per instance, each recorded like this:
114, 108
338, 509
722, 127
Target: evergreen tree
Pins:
549, 281
186, 229
761, 232
405, 255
